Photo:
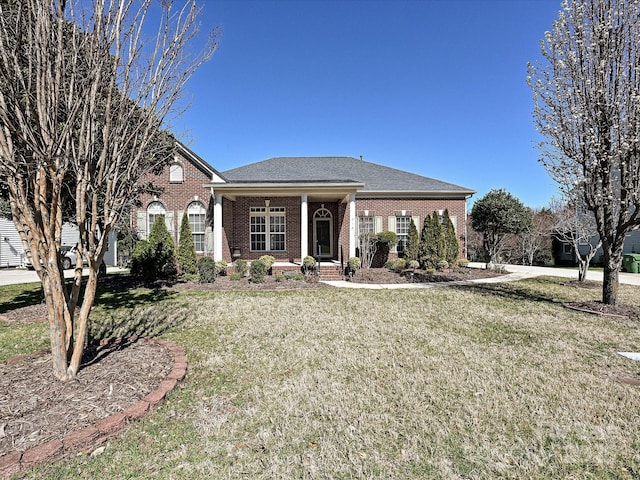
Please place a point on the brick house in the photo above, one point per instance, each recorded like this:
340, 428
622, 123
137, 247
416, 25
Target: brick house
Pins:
297, 206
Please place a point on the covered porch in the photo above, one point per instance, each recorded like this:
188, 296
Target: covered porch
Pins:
288, 221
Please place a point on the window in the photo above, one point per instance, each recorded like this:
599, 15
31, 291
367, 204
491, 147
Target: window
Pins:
197, 218
176, 172
402, 231
366, 225
155, 210
268, 228
567, 248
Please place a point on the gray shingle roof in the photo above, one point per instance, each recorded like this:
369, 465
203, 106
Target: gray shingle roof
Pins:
377, 178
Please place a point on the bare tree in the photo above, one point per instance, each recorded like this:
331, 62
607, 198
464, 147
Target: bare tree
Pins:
576, 226
587, 105
84, 100
537, 237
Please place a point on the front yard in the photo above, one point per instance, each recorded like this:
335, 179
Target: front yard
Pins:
489, 381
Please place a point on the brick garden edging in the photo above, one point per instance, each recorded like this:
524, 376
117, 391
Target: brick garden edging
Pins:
93, 435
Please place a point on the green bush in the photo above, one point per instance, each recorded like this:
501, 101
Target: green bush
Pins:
162, 250
191, 277
413, 264
398, 265
221, 268
442, 265
280, 277
186, 249
294, 276
241, 267
463, 262
154, 258
142, 263
309, 265
235, 276
207, 270
353, 264
268, 260
258, 271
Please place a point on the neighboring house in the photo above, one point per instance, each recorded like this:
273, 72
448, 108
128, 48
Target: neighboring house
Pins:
293, 207
13, 255
564, 253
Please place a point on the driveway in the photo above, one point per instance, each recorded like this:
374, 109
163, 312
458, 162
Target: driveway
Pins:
13, 276
525, 270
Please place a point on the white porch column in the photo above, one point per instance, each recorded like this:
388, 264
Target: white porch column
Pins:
217, 228
304, 226
352, 225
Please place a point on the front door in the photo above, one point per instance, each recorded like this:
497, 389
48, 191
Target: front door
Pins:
323, 234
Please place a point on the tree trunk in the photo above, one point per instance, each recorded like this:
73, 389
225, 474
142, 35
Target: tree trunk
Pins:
583, 268
60, 321
610, 284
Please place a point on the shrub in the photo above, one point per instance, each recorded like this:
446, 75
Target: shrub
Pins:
241, 267
162, 250
442, 265
142, 263
186, 256
258, 271
221, 268
413, 242
280, 277
463, 262
309, 265
268, 260
430, 271
207, 270
398, 265
190, 277
293, 276
413, 264
353, 264
235, 276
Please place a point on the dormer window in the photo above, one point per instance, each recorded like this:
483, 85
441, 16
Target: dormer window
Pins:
176, 172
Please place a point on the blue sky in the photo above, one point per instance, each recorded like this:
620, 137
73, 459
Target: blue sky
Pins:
434, 87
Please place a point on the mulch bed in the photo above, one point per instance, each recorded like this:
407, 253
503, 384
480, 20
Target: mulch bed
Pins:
630, 312
36, 408
385, 276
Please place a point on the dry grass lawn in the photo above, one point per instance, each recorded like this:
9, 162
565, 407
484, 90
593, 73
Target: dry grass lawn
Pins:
494, 381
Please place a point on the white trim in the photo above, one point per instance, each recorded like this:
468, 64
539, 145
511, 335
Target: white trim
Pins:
217, 227
317, 219
304, 226
352, 225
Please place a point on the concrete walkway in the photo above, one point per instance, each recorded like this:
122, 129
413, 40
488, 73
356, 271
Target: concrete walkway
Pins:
516, 272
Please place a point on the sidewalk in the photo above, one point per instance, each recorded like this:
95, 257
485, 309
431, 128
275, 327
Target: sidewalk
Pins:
516, 272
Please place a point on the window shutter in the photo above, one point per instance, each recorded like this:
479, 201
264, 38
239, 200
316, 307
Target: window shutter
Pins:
169, 221
416, 221
142, 224
179, 218
208, 240
454, 221
391, 224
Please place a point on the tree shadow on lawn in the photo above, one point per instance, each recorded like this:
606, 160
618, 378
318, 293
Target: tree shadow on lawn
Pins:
26, 298
542, 290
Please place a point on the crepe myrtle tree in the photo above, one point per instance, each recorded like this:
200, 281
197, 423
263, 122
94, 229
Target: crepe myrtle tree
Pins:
497, 215
586, 91
87, 89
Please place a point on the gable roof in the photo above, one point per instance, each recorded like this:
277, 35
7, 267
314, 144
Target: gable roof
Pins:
198, 161
376, 178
